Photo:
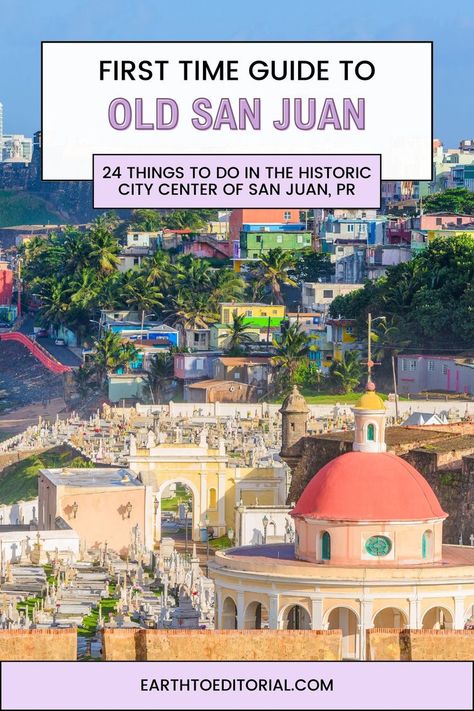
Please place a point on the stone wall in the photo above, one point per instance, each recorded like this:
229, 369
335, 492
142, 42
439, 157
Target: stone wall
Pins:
420, 645
221, 645
441, 459
39, 645
454, 486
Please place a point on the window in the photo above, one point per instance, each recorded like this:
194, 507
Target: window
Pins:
412, 364
404, 364
136, 260
444, 369
439, 220
287, 215
196, 337
350, 227
199, 364
327, 293
325, 546
349, 330
427, 545
255, 254
212, 498
378, 546
279, 239
459, 220
300, 239
248, 313
258, 238
237, 376
431, 366
371, 432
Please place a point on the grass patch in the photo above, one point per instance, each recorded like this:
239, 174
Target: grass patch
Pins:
313, 398
88, 628
20, 480
19, 207
221, 543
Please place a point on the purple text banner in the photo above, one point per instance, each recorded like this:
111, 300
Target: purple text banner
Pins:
237, 685
237, 181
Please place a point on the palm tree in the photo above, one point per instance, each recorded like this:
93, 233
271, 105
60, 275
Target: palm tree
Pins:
237, 335
159, 374
272, 272
139, 294
109, 354
84, 379
292, 348
104, 245
55, 297
347, 372
225, 285
159, 270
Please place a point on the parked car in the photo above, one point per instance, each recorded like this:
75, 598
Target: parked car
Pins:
59, 342
42, 333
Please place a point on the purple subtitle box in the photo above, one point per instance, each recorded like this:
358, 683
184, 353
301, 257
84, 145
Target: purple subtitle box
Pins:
230, 181
237, 685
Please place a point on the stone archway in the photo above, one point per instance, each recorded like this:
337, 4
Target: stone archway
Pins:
437, 618
196, 506
295, 617
229, 614
256, 616
390, 617
346, 620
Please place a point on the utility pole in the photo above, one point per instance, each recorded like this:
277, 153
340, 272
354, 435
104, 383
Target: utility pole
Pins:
19, 288
395, 389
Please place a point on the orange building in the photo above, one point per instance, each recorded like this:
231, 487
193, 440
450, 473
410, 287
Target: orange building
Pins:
276, 217
101, 505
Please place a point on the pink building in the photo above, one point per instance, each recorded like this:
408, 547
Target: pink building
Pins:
442, 220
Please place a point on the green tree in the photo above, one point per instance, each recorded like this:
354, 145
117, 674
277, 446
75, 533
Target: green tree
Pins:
271, 272
238, 336
347, 372
109, 354
160, 374
290, 351
312, 266
459, 201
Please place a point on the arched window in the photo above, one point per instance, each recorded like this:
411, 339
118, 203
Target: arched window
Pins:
426, 545
212, 498
326, 546
371, 432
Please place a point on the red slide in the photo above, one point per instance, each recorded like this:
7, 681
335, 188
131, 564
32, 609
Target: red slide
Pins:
38, 351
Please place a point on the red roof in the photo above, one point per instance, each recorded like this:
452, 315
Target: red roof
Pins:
362, 486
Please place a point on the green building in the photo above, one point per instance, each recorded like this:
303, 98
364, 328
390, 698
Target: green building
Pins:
254, 245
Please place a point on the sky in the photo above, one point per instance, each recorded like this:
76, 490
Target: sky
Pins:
25, 23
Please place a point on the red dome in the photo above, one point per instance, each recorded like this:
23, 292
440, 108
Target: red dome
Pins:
361, 486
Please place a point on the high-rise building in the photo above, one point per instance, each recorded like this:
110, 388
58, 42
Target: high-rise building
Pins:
1, 130
17, 148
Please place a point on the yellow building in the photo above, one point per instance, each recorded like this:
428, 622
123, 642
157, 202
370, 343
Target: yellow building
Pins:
252, 311
341, 334
367, 552
216, 487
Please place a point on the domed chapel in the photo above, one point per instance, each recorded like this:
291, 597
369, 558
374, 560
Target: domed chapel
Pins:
368, 549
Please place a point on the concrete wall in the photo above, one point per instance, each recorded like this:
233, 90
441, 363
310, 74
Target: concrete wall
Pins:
420, 645
221, 645
62, 540
39, 645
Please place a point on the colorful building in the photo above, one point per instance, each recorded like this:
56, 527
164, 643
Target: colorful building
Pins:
6, 284
341, 334
425, 373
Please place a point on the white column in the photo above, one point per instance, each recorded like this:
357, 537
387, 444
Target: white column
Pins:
219, 601
240, 610
221, 477
366, 609
202, 510
316, 613
273, 612
414, 621
458, 622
